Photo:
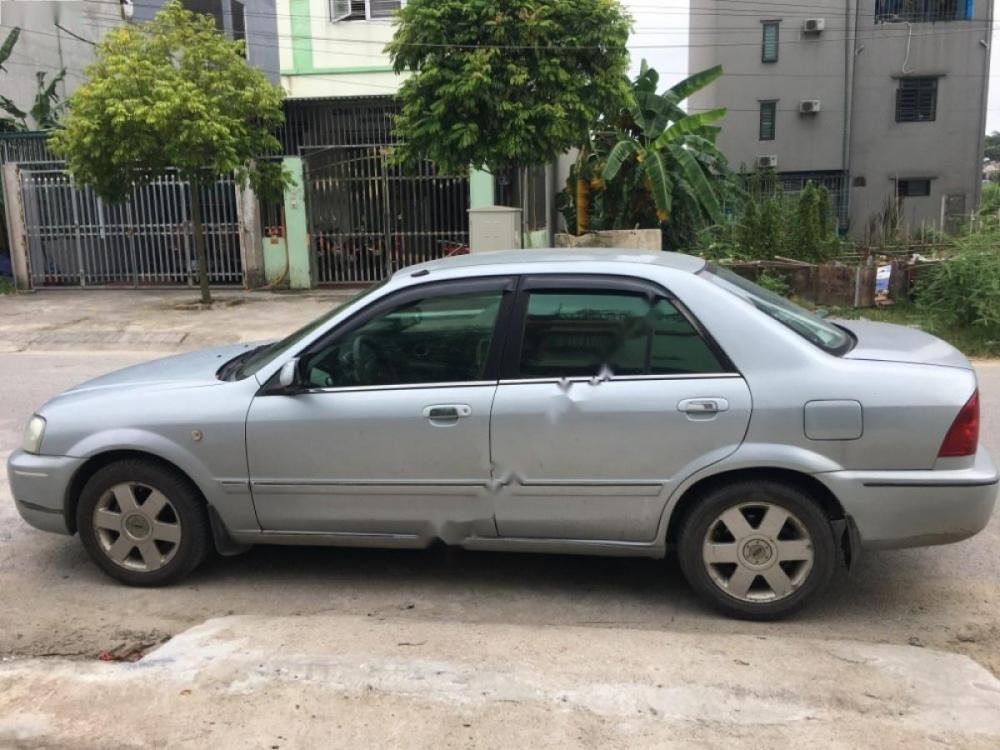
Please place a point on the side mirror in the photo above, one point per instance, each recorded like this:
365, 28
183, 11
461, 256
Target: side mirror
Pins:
289, 373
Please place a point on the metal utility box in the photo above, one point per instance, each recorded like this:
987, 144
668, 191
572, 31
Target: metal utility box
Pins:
494, 228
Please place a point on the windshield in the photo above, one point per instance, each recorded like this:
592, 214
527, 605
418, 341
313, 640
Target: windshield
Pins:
262, 356
823, 334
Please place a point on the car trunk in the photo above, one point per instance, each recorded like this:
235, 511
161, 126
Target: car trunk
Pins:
894, 343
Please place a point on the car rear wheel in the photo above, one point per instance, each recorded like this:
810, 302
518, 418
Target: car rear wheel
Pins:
757, 549
143, 523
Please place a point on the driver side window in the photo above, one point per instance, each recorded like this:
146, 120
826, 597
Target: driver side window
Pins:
439, 339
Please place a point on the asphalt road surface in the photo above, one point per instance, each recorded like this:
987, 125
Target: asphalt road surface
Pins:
53, 601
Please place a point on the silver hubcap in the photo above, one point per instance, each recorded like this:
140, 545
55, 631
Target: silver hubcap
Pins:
758, 552
137, 526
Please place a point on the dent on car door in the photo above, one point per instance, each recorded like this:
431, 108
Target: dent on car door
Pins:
609, 397
391, 435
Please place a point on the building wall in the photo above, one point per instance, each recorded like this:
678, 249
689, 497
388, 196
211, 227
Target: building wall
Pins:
322, 58
808, 67
259, 23
949, 149
853, 67
44, 46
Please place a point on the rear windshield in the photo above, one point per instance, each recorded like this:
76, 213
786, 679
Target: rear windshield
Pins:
815, 330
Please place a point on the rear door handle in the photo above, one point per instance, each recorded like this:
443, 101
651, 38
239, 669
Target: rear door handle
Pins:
703, 405
447, 411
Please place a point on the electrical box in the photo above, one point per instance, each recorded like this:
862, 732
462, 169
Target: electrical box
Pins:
494, 228
769, 161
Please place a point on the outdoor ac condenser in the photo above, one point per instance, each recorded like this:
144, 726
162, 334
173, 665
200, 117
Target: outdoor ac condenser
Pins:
769, 161
813, 25
809, 106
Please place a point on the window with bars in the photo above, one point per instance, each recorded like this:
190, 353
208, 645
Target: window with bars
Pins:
916, 100
768, 115
913, 188
769, 43
362, 10
922, 11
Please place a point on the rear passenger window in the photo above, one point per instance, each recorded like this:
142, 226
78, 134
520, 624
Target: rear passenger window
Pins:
571, 333
677, 347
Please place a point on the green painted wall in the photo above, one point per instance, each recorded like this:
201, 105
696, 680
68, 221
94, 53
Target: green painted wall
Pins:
297, 227
300, 22
536, 239
480, 188
275, 249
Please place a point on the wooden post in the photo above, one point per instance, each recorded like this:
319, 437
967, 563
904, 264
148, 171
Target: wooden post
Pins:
251, 250
16, 230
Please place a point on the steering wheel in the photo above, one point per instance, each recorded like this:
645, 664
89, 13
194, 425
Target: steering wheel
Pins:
369, 366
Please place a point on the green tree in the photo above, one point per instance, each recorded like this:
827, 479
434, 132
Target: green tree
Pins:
651, 164
172, 93
992, 146
664, 140
504, 84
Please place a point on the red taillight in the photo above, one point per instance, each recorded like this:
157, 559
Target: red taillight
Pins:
963, 435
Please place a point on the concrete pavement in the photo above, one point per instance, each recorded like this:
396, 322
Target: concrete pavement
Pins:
336, 680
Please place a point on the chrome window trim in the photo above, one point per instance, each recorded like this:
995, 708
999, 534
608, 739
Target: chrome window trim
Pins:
517, 381
620, 378
400, 387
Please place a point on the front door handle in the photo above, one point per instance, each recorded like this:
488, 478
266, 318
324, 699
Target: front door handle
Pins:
443, 412
703, 405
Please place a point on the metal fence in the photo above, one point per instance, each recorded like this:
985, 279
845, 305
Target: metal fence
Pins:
368, 219
75, 238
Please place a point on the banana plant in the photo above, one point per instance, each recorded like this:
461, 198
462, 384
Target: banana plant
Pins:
673, 151
46, 107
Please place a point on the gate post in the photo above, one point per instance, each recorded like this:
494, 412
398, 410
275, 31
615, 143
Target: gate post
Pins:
251, 250
300, 256
16, 230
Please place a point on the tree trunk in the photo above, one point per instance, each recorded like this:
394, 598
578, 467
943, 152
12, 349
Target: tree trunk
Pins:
199, 243
582, 195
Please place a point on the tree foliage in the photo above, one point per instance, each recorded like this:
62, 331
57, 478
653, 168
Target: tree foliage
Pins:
172, 93
652, 164
991, 148
504, 83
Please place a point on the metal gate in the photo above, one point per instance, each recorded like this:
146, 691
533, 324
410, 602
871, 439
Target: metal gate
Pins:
75, 238
368, 218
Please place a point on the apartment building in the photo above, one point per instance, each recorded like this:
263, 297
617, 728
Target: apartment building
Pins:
876, 99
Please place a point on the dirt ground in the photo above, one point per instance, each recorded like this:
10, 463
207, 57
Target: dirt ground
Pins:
55, 604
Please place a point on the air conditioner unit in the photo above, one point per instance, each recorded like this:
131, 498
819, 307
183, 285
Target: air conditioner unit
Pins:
769, 161
813, 25
809, 106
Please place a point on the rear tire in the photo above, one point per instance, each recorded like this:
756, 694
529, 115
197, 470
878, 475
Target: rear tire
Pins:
757, 549
143, 523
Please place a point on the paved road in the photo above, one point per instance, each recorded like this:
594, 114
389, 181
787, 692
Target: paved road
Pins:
53, 601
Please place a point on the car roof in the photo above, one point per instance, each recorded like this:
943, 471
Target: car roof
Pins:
494, 260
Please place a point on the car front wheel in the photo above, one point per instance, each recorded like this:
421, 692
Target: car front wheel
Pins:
757, 549
143, 523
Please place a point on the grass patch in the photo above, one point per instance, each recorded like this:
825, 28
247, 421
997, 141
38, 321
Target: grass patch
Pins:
971, 341
6, 285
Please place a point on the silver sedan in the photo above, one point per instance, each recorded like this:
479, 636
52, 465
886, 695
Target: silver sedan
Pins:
598, 403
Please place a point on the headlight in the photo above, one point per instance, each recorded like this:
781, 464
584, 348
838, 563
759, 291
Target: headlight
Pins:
33, 434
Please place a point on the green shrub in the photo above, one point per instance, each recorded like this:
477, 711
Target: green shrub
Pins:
964, 289
774, 282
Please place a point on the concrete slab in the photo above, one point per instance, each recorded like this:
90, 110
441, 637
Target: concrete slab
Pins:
338, 680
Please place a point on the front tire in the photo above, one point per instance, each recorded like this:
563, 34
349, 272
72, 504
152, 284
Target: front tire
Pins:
143, 523
757, 549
